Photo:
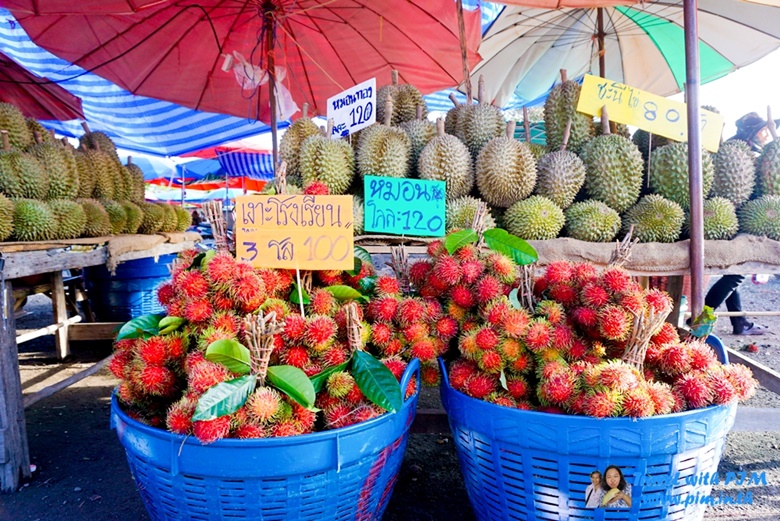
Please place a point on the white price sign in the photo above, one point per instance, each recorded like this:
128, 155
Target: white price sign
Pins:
353, 109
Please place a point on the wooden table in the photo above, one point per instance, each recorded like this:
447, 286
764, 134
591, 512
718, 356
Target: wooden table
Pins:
14, 451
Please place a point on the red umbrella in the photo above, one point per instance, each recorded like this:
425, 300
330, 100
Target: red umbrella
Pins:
36, 97
174, 50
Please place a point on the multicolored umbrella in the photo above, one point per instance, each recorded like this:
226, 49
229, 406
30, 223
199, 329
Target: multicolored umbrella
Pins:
524, 48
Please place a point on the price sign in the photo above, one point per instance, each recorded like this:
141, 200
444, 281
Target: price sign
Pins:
647, 111
295, 231
404, 206
353, 109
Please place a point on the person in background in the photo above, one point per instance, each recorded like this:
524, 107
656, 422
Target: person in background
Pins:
592, 492
751, 128
196, 218
613, 479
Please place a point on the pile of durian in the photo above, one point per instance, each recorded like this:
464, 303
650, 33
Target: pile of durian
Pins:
50, 190
590, 182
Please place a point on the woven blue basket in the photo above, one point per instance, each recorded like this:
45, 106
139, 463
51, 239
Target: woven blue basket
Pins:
131, 291
343, 474
520, 465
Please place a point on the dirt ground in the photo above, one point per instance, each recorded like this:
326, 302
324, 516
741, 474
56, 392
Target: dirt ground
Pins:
81, 472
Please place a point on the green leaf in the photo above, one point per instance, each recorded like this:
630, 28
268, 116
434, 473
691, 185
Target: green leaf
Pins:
356, 269
231, 354
293, 382
295, 295
516, 248
210, 254
502, 379
364, 256
140, 327
197, 260
367, 284
514, 300
343, 293
457, 240
224, 398
170, 324
319, 379
376, 381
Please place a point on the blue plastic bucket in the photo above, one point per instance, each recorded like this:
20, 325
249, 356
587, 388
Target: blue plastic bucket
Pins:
520, 465
343, 474
131, 291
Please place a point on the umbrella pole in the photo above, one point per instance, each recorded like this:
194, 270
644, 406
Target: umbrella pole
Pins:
271, 69
600, 34
692, 74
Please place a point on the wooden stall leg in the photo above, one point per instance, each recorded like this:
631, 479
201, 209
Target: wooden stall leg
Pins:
60, 309
675, 288
14, 452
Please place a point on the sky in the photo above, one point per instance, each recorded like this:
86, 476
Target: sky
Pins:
749, 89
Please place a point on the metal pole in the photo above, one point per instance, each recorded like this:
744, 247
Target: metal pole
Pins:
692, 74
271, 69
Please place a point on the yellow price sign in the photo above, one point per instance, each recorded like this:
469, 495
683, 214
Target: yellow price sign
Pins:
647, 111
307, 232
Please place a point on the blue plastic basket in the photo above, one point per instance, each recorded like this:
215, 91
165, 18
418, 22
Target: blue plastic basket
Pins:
131, 291
520, 465
343, 474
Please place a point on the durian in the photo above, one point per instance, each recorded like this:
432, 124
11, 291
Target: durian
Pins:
592, 221
33, 221
101, 166
384, 150
405, 101
330, 161
71, 218
63, 178
290, 146
358, 213
655, 219
561, 104
134, 216
560, 175
184, 219
6, 217
734, 174
170, 219
21, 174
420, 132
668, 173
719, 219
116, 216
136, 193
480, 123
98, 222
446, 158
535, 218
768, 170
761, 217
506, 170
12, 120
99, 141
461, 211
153, 219
36, 128
647, 142
451, 125
86, 174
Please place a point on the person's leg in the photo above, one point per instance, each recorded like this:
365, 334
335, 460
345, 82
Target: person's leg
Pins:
734, 303
725, 290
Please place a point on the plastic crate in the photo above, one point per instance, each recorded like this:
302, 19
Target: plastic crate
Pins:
520, 465
343, 474
131, 291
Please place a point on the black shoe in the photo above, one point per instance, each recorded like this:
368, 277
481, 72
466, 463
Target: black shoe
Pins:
752, 329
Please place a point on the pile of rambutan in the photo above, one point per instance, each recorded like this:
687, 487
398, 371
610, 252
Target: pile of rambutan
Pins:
164, 368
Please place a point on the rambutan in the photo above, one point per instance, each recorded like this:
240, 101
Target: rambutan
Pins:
487, 288
153, 351
248, 292
193, 284
153, 379
693, 386
551, 310
250, 431
433, 309
617, 280
120, 364
424, 349
633, 301
328, 277
741, 377
460, 371
386, 285
539, 335
486, 338
126, 393
594, 295
563, 293
430, 375
334, 355
447, 269
466, 252
396, 365
674, 358
322, 302
209, 431
316, 188
418, 272
263, 404
490, 362
502, 267
221, 269
661, 395
319, 330
294, 328
165, 293
666, 334
558, 389
462, 296
226, 321
583, 316
701, 355
722, 389
619, 375
179, 416
303, 417
584, 272
637, 403
458, 313
205, 374
366, 270
339, 384
210, 335
198, 310
602, 404
446, 328
272, 281
510, 348
480, 385
577, 349
285, 428
559, 271
471, 271
540, 286
518, 387
501, 399
496, 311
613, 323
658, 300
516, 323
381, 334
312, 368
394, 347
436, 248
414, 332
220, 301
338, 415
275, 305
410, 310
562, 337
523, 363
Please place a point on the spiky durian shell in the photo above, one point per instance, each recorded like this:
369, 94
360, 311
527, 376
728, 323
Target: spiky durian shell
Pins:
620, 130
153, 219
446, 158
655, 219
592, 221
613, 171
12, 120
535, 218
36, 127
668, 172
33, 221
32, 179
461, 211
420, 132
561, 104
290, 146
137, 191
171, 220
406, 98
10, 184
101, 166
184, 219
384, 151
6, 217
559, 177
768, 170
330, 161
71, 218
505, 171
479, 124
98, 222
537, 150
734, 174
62, 180
116, 215
121, 188
100, 141
761, 217
645, 143
358, 214
719, 218
134, 216
451, 121
86, 174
